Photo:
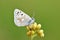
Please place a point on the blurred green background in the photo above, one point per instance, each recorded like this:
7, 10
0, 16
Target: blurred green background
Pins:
47, 13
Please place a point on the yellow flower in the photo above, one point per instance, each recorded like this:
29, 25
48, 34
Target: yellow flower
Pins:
38, 27
35, 29
31, 27
28, 28
34, 26
40, 33
30, 33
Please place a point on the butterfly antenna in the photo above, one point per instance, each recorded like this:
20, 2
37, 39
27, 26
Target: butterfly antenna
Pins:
33, 14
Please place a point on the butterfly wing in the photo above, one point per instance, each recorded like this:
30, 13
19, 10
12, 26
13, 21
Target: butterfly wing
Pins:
20, 18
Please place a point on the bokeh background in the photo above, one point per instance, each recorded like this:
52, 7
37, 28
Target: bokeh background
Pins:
47, 13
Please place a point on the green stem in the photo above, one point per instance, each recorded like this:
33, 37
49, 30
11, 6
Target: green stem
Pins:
32, 36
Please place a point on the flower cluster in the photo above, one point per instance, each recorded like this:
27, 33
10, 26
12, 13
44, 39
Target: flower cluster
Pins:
35, 29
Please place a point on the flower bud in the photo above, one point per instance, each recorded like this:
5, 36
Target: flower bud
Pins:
40, 32
42, 35
29, 33
38, 26
34, 26
27, 28
32, 32
30, 26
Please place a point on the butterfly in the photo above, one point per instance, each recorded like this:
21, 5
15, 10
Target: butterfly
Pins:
22, 19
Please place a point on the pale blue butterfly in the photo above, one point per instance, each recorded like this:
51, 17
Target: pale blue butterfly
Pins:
22, 19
